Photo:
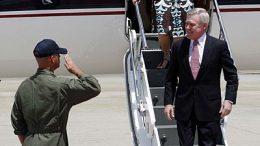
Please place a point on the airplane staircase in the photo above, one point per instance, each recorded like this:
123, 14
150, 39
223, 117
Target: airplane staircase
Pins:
145, 89
167, 130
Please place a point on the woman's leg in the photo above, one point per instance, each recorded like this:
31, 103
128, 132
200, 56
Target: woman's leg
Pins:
165, 42
164, 28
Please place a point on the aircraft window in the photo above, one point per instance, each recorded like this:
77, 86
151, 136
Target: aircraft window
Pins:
18, 5
238, 2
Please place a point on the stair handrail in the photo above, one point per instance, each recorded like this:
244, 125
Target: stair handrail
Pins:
142, 92
141, 26
136, 53
222, 33
142, 97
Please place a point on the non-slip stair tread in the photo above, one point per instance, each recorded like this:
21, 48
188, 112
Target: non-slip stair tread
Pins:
156, 77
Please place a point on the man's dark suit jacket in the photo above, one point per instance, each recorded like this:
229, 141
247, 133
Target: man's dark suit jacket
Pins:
203, 95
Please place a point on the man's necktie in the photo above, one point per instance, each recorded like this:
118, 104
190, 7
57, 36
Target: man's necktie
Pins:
195, 63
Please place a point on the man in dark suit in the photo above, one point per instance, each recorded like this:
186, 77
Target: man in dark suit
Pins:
193, 82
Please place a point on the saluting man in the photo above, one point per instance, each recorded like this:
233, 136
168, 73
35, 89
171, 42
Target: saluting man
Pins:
43, 101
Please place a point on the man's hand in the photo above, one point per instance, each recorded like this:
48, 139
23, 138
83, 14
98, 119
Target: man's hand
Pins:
169, 112
72, 67
225, 109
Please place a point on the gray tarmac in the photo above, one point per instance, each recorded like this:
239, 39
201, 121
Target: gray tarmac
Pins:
104, 121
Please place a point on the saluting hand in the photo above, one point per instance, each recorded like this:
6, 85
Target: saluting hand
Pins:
134, 1
71, 66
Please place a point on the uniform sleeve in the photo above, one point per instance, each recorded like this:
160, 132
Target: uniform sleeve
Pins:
82, 89
17, 119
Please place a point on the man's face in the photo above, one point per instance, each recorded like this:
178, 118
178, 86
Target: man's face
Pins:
194, 27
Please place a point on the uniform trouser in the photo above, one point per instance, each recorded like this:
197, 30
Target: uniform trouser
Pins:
208, 132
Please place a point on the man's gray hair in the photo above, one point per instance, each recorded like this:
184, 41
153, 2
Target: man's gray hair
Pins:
203, 14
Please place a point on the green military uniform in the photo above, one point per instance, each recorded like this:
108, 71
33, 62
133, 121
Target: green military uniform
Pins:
42, 104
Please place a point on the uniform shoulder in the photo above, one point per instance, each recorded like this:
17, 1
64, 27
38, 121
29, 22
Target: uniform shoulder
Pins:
24, 83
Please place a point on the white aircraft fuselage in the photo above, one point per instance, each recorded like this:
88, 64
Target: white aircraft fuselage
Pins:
95, 34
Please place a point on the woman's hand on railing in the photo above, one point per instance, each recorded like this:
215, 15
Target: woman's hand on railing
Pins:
134, 1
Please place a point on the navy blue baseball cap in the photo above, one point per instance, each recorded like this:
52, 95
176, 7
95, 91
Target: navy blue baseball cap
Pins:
48, 47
